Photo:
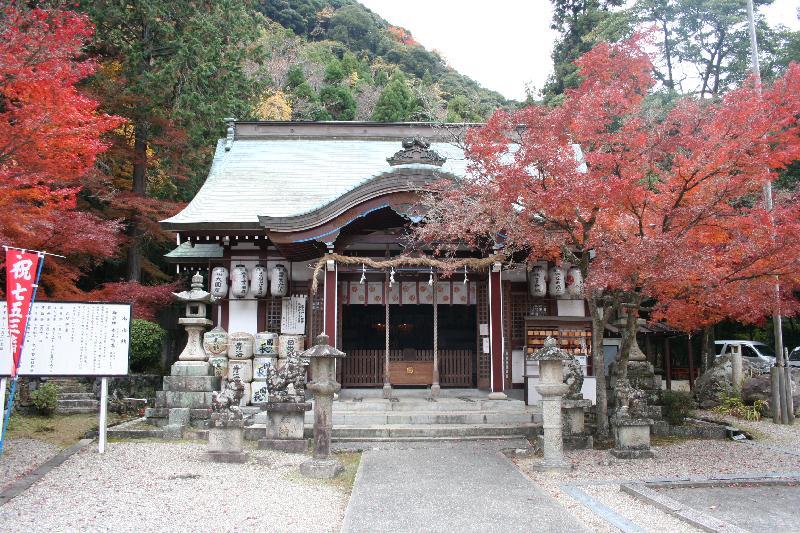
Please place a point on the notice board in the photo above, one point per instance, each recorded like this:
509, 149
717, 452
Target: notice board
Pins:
71, 339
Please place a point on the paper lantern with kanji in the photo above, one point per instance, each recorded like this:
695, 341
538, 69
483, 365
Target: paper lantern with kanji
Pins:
574, 282
280, 281
537, 281
218, 282
258, 281
239, 281
557, 285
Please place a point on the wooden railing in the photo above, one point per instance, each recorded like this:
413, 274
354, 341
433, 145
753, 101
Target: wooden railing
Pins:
364, 368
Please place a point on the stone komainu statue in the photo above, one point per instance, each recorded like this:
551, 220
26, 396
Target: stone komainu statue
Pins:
289, 383
573, 376
226, 403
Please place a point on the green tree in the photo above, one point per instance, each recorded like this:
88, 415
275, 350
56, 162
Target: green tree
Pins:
173, 68
338, 101
461, 109
396, 102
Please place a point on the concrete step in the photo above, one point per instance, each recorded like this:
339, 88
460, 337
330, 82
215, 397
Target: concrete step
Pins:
92, 404
421, 404
76, 410
432, 431
76, 396
360, 418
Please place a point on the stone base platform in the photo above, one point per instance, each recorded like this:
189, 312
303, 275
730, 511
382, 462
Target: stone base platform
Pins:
321, 468
632, 454
228, 457
284, 445
544, 466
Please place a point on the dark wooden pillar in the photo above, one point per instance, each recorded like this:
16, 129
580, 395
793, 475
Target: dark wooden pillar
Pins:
667, 363
496, 328
330, 305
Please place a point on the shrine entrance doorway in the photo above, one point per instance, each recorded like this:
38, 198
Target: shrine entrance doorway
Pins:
410, 345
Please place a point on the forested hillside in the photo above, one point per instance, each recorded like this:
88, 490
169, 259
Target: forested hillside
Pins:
335, 59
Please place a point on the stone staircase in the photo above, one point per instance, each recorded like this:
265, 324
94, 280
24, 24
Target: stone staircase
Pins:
74, 397
410, 418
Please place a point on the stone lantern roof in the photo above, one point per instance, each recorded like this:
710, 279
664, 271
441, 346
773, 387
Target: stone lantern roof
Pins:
550, 352
321, 348
196, 293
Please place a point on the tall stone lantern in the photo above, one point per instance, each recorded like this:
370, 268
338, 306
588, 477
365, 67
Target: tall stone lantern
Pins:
195, 321
322, 357
552, 389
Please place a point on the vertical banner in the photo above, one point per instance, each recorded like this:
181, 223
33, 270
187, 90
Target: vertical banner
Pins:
22, 270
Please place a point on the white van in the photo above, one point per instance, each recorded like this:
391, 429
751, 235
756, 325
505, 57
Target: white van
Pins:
752, 351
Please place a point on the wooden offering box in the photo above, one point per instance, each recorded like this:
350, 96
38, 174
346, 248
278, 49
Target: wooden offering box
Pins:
411, 372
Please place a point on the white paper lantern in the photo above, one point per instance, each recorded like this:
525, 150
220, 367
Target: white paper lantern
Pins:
258, 281
219, 282
280, 281
239, 285
574, 282
537, 281
557, 284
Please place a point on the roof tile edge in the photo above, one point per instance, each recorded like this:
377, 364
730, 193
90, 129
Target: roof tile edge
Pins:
389, 131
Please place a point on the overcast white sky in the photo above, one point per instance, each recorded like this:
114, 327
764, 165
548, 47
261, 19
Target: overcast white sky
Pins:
502, 44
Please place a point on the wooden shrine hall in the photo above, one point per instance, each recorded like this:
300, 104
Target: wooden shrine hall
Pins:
281, 196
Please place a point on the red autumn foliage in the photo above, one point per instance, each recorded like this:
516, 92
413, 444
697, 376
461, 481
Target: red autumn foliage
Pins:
668, 203
50, 136
147, 300
402, 35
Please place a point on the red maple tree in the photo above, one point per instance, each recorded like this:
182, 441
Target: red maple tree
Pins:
650, 204
50, 137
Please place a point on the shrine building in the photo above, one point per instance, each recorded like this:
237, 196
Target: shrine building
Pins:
280, 196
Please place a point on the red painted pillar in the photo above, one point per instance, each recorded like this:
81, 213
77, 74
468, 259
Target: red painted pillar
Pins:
496, 328
330, 305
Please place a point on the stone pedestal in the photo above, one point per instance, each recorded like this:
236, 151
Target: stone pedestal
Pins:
284, 427
225, 440
186, 398
575, 435
633, 438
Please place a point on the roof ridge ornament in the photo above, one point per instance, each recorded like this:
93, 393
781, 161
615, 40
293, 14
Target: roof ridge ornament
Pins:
230, 132
416, 150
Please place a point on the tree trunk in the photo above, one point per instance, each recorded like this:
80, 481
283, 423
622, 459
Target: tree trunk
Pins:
139, 187
599, 318
670, 82
709, 348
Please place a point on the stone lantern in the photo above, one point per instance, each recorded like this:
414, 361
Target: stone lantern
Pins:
324, 386
552, 388
195, 321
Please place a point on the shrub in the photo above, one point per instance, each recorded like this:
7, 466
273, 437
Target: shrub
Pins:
146, 339
676, 406
45, 399
734, 406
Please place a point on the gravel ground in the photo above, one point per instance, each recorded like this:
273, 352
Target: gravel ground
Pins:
765, 429
21, 456
598, 473
149, 486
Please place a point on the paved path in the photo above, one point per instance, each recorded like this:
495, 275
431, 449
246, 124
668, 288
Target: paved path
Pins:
460, 486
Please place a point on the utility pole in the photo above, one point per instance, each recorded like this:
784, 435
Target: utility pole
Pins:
786, 401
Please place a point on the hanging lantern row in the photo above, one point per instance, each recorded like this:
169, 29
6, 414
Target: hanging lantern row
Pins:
254, 282
556, 283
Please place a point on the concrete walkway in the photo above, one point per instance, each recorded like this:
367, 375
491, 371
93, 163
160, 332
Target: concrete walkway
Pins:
453, 486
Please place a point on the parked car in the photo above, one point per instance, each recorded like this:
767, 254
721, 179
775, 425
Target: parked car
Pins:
794, 357
752, 351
